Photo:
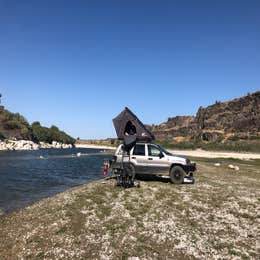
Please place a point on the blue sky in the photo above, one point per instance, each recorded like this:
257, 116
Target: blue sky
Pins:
77, 64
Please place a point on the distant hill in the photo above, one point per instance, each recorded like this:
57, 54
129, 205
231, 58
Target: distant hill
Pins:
14, 125
233, 123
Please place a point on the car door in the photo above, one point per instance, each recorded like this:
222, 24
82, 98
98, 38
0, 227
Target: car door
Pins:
157, 162
138, 158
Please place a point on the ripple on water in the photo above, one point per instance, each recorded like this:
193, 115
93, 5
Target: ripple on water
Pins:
25, 178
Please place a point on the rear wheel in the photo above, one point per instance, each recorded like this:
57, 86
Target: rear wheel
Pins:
177, 174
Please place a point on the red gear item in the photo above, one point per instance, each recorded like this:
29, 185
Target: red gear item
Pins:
105, 169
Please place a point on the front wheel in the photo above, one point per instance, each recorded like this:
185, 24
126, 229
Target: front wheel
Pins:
177, 174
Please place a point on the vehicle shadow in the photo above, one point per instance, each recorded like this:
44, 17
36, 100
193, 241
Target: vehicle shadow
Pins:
147, 177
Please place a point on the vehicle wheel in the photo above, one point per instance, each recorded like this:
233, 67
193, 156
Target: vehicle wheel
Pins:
177, 174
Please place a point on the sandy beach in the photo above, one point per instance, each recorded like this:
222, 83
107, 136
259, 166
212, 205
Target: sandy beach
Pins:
193, 153
94, 146
213, 154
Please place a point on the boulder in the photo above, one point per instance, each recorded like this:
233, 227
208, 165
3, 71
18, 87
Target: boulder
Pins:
30, 145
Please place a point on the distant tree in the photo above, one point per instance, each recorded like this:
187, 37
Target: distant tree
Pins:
54, 128
40, 133
36, 124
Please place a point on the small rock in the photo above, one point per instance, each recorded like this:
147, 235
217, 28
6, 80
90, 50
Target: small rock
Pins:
217, 164
231, 166
236, 168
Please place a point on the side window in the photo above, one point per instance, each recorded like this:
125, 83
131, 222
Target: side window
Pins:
139, 150
153, 151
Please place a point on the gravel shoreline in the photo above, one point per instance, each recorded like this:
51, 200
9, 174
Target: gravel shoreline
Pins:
214, 218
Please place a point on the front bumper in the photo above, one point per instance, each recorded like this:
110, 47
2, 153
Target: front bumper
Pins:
190, 167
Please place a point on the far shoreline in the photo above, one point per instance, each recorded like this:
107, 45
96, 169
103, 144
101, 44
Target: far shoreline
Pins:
193, 153
94, 146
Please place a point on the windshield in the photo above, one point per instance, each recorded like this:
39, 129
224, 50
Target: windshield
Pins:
164, 150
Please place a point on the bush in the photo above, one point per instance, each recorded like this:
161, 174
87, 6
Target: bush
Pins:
2, 137
12, 124
18, 127
47, 135
234, 138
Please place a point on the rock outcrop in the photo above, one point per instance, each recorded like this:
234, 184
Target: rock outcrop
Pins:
14, 145
238, 118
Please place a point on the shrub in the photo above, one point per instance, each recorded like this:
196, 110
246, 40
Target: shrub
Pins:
44, 134
12, 124
234, 138
2, 136
22, 129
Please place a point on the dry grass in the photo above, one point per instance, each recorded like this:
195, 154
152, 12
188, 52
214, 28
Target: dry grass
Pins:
216, 218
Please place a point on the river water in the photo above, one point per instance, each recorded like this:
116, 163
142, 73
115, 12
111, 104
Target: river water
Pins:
28, 176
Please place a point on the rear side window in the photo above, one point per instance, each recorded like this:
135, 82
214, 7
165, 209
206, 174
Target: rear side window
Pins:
139, 149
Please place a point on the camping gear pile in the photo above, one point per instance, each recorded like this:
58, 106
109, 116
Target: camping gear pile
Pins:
129, 130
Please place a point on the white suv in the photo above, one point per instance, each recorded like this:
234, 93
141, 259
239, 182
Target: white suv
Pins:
149, 158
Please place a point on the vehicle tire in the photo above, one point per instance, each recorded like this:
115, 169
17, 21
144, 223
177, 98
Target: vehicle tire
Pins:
177, 174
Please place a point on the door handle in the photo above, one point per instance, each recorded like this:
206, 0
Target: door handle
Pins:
150, 159
133, 157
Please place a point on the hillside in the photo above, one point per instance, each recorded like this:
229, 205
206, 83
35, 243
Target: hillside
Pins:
15, 126
232, 122
233, 125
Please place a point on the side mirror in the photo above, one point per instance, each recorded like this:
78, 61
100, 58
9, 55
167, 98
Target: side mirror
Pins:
161, 155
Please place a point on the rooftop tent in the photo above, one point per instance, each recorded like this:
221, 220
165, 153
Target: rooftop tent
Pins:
127, 124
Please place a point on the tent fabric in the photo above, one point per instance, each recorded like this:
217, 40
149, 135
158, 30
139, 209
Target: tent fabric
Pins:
127, 123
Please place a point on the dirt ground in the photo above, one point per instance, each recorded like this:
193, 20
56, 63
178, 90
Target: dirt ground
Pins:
216, 218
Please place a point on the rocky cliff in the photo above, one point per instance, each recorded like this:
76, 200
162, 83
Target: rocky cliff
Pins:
223, 121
